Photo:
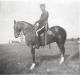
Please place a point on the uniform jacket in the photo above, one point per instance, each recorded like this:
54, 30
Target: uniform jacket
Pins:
43, 19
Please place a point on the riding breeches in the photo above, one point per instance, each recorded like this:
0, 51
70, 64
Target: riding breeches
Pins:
40, 30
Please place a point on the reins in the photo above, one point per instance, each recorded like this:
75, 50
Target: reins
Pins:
31, 31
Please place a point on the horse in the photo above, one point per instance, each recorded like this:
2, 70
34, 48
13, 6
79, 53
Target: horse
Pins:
54, 34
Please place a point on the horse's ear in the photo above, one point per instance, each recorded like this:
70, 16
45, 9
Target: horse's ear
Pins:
14, 21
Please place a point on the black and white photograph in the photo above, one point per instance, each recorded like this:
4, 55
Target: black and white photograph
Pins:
40, 37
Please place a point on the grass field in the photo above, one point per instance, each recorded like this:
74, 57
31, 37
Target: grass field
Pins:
16, 59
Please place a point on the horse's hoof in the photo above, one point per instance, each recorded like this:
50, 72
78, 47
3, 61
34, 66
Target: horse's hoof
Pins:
62, 60
32, 66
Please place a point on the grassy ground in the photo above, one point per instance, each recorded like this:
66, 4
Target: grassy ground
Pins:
16, 59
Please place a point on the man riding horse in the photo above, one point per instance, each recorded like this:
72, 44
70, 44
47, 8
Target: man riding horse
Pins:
43, 23
55, 34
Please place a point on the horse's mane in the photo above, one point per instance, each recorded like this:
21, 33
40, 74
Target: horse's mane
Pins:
25, 22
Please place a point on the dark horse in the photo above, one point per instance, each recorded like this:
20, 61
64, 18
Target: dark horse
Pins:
54, 34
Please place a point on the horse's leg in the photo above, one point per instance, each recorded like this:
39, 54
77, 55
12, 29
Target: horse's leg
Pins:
62, 54
62, 49
33, 57
49, 46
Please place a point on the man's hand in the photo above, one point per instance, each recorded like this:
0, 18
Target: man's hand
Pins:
35, 22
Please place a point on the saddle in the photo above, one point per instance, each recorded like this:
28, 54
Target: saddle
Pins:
44, 32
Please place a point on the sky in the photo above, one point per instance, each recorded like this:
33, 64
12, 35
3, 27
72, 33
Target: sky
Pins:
65, 13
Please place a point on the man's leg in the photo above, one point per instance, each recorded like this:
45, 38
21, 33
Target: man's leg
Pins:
39, 31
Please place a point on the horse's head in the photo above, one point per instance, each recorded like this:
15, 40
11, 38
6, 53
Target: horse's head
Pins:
22, 26
17, 29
